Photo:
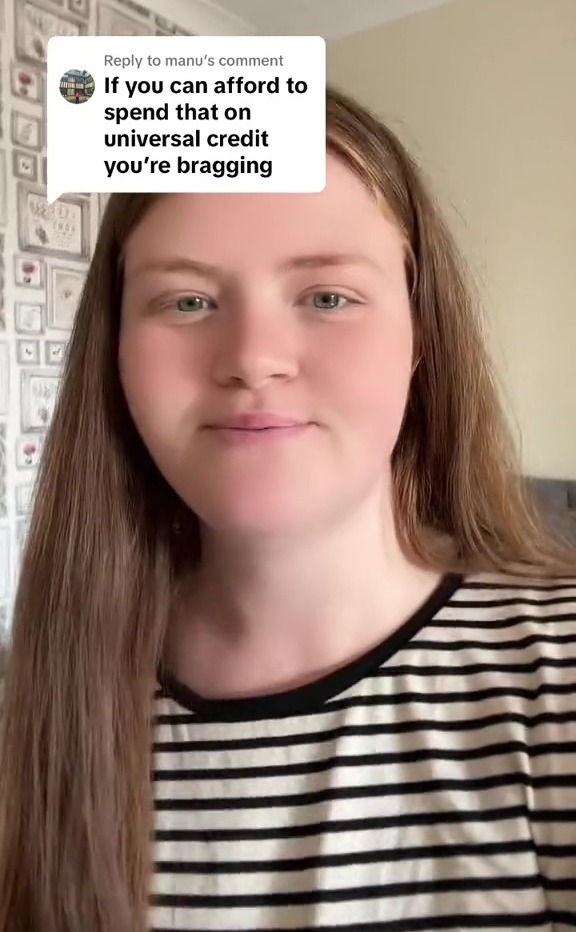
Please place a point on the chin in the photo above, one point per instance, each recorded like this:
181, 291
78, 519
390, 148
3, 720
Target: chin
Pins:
258, 511
255, 521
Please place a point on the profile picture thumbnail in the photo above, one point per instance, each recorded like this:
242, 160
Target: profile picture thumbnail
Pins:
77, 86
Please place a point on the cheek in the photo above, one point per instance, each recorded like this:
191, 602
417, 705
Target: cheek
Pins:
367, 377
158, 373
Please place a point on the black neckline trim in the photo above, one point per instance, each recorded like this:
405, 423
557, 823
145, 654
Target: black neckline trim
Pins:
308, 699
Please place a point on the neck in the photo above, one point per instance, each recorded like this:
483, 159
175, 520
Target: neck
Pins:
269, 616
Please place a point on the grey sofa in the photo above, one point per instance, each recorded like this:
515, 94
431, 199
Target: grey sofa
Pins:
558, 502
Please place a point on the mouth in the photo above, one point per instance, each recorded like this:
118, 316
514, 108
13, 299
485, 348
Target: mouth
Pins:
258, 420
260, 435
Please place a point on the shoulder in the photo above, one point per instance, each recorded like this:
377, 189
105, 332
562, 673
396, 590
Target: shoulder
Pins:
527, 620
531, 599
527, 624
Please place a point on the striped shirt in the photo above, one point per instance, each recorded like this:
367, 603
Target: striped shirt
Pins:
429, 785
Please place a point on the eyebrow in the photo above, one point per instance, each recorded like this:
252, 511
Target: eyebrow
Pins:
319, 260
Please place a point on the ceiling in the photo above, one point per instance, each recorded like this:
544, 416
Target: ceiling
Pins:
332, 19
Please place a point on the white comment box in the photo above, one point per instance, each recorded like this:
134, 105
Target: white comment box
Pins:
186, 113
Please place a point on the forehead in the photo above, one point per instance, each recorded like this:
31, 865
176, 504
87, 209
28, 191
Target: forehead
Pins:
232, 228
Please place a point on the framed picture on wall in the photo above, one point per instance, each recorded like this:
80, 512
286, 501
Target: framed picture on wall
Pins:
26, 130
4, 562
29, 317
24, 165
113, 22
60, 229
133, 6
165, 27
65, 289
23, 495
4, 378
38, 393
54, 352
3, 464
22, 528
2, 187
29, 272
35, 24
102, 202
79, 8
28, 452
27, 82
28, 352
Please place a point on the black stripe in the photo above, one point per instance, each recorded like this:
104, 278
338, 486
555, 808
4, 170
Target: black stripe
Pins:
343, 761
337, 826
378, 791
515, 583
528, 721
469, 669
471, 922
517, 602
514, 644
387, 856
358, 702
509, 621
348, 894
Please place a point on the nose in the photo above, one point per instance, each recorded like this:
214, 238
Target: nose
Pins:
256, 343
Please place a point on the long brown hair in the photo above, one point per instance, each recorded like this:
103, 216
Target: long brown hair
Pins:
110, 541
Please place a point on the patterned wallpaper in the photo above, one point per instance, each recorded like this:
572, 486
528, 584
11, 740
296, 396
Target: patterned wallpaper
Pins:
44, 249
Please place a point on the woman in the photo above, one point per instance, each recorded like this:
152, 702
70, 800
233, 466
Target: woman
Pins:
286, 608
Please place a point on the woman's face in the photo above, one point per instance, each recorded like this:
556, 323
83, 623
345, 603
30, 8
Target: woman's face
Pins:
291, 305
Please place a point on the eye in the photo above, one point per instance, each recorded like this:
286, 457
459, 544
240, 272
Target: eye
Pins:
191, 303
329, 300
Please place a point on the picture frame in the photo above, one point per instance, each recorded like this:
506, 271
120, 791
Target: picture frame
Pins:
22, 529
3, 471
28, 352
5, 625
38, 394
35, 24
5, 569
60, 229
79, 8
24, 165
113, 22
26, 130
166, 27
29, 272
142, 12
23, 497
64, 292
102, 202
29, 317
2, 282
28, 452
3, 183
55, 352
27, 83
4, 378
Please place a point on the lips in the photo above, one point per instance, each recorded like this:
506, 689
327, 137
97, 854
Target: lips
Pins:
258, 421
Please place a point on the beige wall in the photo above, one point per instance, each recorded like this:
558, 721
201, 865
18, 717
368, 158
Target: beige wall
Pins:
483, 92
